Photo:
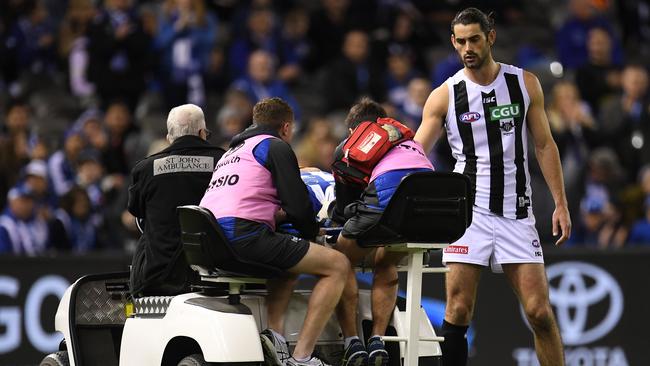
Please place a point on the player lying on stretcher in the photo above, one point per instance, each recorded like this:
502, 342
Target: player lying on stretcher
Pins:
368, 167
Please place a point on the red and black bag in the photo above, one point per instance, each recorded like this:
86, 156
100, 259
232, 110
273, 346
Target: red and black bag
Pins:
366, 146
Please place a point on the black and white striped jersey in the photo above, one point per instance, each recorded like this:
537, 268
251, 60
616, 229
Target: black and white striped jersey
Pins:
487, 133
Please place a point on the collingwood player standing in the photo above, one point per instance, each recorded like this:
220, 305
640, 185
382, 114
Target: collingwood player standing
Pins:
487, 110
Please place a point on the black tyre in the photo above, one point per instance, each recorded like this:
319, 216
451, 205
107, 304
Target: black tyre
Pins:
193, 360
56, 359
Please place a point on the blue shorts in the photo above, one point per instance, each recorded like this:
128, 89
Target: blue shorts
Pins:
258, 243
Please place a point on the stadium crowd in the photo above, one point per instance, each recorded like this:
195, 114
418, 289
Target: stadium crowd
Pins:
85, 86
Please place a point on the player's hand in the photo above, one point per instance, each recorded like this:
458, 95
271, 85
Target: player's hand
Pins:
561, 224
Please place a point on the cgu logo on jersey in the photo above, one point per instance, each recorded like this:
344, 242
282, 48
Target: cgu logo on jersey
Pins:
505, 111
469, 117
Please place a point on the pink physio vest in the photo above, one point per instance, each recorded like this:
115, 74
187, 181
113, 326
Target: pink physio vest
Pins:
241, 187
407, 155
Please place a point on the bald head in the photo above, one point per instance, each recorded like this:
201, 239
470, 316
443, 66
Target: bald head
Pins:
183, 120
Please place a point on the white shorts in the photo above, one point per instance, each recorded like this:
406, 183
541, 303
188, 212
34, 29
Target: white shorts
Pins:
495, 240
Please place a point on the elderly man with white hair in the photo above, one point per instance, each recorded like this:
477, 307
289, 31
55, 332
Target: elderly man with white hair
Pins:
176, 176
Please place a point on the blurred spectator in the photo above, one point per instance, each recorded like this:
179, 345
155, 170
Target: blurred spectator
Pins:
325, 156
567, 109
234, 116
410, 111
327, 28
260, 35
261, 82
118, 157
185, 38
36, 180
239, 20
73, 227
599, 77
329, 25
6, 58
625, 121
230, 122
640, 231
571, 38
17, 118
21, 231
33, 37
316, 149
634, 19
445, 68
90, 125
62, 164
600, 220
596, 220
38, 148
353, 75
89, 177
118, 53
411, 34
400, 73
13, 156
73, 45
296, 47
573, 129
216, 77
149, 13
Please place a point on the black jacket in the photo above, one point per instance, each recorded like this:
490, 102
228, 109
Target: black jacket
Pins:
159, 184
292, 192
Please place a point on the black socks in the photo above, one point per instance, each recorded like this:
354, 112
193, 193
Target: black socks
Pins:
454, 348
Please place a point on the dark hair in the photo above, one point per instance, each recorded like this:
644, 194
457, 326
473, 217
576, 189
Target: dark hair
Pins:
272, 112
365, 110
73, 195
474, 16
16, 102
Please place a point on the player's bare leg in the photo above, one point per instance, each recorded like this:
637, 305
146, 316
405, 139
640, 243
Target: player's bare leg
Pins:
346, 310
461, 285
332, 267
529, 282
384, 289
277, 300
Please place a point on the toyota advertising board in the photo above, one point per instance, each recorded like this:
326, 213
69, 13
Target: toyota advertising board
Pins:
601, 301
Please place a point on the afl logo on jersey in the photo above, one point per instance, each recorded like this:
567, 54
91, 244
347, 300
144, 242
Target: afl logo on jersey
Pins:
469, 117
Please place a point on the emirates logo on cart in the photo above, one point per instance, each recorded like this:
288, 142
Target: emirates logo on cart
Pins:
457, 249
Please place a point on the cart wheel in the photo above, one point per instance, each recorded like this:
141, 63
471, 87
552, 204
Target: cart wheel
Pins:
193, 360
56, 359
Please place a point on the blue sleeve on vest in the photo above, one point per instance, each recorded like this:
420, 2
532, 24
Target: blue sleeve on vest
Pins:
261, 151
228, 227
386, 184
